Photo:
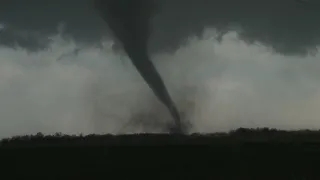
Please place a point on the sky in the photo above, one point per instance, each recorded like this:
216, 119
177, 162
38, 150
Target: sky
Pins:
288, 26
237, 66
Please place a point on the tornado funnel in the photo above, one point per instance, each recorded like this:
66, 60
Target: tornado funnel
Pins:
129, 23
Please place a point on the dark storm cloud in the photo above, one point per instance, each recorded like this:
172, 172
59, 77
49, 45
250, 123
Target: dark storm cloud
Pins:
43, 17
288, 26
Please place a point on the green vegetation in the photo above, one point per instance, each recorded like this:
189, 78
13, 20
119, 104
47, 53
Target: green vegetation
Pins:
244, 153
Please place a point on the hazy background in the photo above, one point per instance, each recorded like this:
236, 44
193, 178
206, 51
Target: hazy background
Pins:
227, 64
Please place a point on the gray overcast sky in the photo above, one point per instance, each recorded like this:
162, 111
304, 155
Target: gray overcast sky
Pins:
229, 83
286, 25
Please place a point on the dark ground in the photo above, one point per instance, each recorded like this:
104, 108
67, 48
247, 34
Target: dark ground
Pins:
244, 153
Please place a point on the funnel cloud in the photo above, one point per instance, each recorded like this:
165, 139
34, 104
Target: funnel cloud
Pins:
129, 22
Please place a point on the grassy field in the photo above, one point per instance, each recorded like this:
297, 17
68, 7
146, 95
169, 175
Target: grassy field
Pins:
243, 153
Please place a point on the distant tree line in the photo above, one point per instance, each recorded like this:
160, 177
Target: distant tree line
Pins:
241, 134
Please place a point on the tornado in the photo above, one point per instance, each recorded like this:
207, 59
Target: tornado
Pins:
129, 21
